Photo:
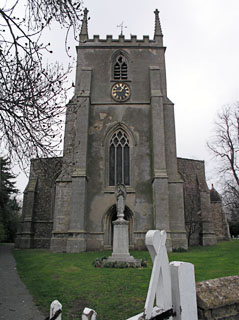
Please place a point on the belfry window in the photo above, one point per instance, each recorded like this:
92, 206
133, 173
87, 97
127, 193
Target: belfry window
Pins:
119, 159
120, 68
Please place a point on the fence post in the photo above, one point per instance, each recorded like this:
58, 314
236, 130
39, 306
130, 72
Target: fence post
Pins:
183, 290
54, 309
160, 282
89, 314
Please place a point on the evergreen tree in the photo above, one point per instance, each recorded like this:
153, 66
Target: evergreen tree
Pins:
9, 207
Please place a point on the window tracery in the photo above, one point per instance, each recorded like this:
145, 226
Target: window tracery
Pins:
119, 159
120, 68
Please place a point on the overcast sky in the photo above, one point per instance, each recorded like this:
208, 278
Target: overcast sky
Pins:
202, 58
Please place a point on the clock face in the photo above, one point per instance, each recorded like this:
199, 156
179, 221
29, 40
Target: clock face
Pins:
120, 91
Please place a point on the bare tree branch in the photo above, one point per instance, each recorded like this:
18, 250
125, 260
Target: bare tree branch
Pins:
224, 146
32, 95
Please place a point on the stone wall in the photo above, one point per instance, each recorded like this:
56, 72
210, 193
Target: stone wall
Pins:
202, 206
37, 218
218, 299
198, 215
221, 227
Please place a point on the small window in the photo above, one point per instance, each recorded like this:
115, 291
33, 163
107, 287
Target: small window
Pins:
119, 159
120, 68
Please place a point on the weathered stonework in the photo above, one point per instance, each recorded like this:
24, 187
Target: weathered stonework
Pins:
83, 207
198, 214
218, 299
37, 220
220, 225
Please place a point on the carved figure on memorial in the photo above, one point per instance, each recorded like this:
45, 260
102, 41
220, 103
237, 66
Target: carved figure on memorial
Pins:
120, 195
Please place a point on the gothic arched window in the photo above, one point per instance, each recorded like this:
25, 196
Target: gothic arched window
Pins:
119, 159
120, 68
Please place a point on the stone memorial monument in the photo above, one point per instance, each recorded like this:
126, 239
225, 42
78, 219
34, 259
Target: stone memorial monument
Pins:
121, 229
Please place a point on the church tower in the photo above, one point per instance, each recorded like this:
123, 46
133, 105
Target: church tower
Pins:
119, 129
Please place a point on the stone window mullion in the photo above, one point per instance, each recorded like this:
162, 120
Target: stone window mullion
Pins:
120, 68
119, 159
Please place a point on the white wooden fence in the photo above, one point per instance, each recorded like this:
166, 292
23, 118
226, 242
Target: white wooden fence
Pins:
171, 294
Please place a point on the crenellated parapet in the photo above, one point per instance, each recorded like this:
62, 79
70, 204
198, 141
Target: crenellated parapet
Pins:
157, 41
121, 41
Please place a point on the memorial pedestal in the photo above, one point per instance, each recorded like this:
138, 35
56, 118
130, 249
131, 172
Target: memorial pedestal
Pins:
121, 242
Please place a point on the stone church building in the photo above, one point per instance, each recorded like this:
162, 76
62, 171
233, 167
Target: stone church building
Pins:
119, 129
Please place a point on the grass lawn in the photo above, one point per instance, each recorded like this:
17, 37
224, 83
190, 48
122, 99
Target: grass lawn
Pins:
114, 293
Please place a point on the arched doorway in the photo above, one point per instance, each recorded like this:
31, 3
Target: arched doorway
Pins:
110, 216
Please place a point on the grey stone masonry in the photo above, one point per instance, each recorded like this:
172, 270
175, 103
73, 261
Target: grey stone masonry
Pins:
121, 242
36, 222
218, 299
120, 128
198, 209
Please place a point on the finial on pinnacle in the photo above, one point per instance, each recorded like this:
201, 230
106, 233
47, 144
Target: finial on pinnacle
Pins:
156, 12
157, 29
84, 27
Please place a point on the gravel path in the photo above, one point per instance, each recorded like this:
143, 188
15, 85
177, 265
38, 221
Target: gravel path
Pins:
15, 301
